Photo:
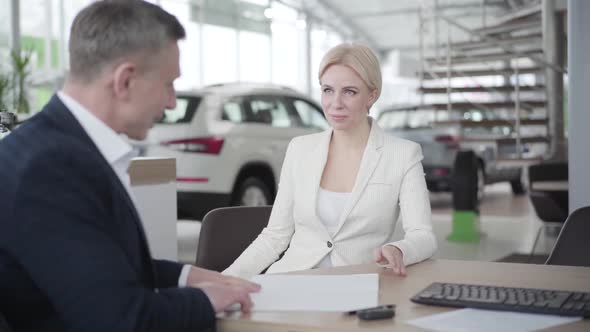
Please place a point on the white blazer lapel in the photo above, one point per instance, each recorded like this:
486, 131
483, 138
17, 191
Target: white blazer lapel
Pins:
315, 167
369, 162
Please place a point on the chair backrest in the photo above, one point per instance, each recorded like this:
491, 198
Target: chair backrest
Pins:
547, 207
227, 232
573, 243
551, 206
548, 171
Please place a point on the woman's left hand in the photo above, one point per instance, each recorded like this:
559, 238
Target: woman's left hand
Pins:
392, 257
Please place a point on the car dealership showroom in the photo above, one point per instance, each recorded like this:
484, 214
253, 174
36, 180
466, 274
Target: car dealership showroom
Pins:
326, 137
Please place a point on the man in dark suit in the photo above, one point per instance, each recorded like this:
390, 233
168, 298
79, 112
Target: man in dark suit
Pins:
73, 254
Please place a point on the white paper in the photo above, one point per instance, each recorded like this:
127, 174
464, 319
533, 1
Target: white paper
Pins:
489, 320
316, 292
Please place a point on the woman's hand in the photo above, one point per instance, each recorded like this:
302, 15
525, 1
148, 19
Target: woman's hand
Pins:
392, 257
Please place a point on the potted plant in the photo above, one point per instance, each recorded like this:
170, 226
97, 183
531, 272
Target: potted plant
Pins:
20, 75
13, 90
4, 91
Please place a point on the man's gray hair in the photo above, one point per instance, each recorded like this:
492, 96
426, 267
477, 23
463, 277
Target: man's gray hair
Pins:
109, 30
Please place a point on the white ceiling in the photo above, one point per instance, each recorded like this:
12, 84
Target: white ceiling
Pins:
394, 24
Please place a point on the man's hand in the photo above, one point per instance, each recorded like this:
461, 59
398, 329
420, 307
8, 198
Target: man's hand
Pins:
392, 257
223, 296
198, 275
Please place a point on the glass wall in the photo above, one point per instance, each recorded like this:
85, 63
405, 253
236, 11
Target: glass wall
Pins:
254, 57
322, 40
227, 41
219, 55
5, 24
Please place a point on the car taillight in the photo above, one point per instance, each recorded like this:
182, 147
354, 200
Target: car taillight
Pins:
209, 145
441, 171
452, 142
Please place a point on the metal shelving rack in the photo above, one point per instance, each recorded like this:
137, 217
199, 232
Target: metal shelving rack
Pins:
514, 45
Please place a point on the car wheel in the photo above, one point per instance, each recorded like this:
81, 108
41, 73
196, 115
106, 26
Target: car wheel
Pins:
252, 192
481, 183
517, 187
464, 182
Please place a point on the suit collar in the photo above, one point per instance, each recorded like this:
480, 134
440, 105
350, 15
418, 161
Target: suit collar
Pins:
110, 144
376, 136
58, 113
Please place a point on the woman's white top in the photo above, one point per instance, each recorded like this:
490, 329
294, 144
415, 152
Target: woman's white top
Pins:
330, 206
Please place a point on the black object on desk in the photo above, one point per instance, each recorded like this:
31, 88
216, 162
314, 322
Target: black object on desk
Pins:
542, 301
379, 312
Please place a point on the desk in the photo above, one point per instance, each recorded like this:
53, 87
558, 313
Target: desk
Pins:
398, 290
550, 186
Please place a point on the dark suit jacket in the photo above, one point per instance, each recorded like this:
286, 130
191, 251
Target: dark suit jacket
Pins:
73, 255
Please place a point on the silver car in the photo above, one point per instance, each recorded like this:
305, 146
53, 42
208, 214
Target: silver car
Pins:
443, 135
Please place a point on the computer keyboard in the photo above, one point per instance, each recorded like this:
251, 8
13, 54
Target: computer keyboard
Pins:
544, 301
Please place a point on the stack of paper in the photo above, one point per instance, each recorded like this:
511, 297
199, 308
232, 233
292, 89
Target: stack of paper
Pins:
316, 292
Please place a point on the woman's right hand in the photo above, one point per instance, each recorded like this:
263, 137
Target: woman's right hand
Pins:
392, 257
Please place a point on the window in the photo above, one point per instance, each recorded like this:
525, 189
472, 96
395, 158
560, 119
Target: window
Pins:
232, 111
271, 111
183, 112
5, 25
219, 53
310, 115
254, 57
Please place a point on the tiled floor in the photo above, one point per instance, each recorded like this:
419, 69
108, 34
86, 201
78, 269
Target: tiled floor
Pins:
508, 225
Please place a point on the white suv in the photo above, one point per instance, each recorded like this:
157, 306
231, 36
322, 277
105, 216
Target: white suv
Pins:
229, 142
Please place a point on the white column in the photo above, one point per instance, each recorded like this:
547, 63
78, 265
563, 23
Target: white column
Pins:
579, 101
15, 25
48, 36
308, 69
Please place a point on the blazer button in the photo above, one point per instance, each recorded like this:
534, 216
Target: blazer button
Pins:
329, 244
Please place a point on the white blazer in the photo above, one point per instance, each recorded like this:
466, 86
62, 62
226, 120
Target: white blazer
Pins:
390, 180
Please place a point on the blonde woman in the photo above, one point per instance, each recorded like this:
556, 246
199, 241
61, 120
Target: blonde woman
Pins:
341, 191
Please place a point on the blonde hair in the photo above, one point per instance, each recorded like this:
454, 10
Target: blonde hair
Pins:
359, 58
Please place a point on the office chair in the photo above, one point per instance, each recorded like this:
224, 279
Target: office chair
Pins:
573, 246
227, 232
550, 206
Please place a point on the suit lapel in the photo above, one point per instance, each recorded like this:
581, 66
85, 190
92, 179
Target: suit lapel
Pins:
369, 162
316, 168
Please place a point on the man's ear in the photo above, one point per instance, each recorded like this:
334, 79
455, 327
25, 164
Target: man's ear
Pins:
124, 75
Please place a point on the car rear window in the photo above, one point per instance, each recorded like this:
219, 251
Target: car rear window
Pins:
184, 111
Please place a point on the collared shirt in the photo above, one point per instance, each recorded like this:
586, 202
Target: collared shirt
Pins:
114, 148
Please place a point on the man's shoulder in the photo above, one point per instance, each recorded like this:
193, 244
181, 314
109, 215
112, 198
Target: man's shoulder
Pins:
38, 140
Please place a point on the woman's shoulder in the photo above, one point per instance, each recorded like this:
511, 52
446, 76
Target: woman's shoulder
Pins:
400, 143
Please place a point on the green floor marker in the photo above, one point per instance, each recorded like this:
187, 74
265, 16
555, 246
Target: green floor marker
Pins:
465, 227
